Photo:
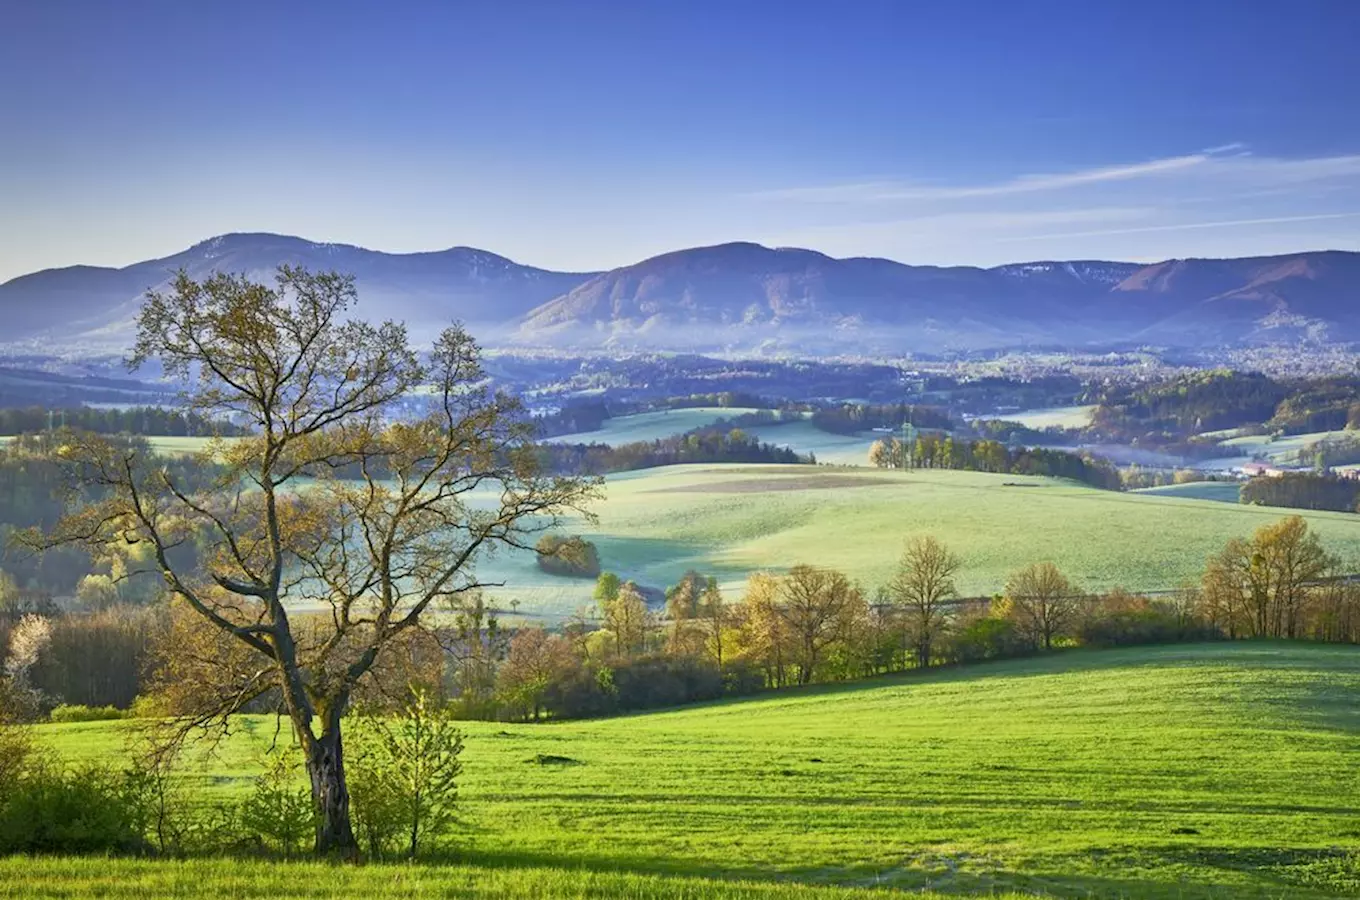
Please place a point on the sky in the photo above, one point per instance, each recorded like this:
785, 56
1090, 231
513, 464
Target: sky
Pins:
587, 135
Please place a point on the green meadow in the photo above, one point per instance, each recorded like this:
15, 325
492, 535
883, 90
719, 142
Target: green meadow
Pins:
1198, 771
1053, 417
733, 520
651, 426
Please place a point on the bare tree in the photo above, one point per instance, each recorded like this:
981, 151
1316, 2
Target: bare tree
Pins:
372, 481
1042, 602
920, 590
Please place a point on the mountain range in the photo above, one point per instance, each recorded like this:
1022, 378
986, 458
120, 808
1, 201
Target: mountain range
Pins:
745, 296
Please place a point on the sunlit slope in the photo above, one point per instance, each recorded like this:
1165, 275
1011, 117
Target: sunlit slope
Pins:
1220, 770
732, 520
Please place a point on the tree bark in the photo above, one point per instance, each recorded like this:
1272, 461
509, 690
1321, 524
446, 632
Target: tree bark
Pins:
326, 768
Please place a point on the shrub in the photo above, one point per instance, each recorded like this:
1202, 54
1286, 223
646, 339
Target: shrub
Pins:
279, 813
988, 637
573, 556
15, 750
86, 810
403, 776
79, 713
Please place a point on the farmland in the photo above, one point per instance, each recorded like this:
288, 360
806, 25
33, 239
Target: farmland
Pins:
651, 426
1217, 770
730, 521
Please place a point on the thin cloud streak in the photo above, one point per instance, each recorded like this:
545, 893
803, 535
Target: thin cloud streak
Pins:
1228, 161
1185, 226
877, 192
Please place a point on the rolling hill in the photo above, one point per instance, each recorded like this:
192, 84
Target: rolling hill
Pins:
743, 296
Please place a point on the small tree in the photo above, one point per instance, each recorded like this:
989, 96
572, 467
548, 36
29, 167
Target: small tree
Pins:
536, 660
1042, 603
279, 811
628, 619
406, 773
715, 618
920, 590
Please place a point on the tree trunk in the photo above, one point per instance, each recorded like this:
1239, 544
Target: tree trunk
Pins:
330, 793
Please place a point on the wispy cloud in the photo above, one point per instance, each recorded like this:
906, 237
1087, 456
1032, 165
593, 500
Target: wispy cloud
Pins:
1186, 226
1228, 162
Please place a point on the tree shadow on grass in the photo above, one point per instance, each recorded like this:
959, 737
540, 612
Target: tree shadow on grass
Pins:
1268, 872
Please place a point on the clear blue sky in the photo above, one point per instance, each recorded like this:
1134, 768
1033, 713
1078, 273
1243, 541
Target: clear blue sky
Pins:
587, 135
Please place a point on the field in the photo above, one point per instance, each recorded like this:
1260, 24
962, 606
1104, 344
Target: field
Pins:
1222, 491
1200, 771
730, 521
651, 426
1055, 417
1282, 449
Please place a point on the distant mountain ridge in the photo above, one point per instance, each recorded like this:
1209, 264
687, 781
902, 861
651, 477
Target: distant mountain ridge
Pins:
427, 290
744, 296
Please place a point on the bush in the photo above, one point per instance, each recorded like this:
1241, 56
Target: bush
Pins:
574, 556
49, 809
1150, 625
78, 713
989, 637
15, 750
404, 776
279, 813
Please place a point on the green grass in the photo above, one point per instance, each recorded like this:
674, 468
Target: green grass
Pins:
1205, 771
802, 437
651, 426
140, 879
1222, 491
733, 520
1284, 449
1054, 417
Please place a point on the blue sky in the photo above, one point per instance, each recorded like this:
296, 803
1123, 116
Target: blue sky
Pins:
588, 135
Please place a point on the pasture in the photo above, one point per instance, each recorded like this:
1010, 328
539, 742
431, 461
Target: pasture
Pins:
651, 426
1222, 491
1198, 771
732, 520
1053, 417
1284, 449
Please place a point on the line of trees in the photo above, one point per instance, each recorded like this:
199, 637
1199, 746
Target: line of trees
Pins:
939, 451
150, 421
853, 418
1303, 490
703, 445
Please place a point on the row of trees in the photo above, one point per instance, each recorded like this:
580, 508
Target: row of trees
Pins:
704, 445
1303, 490
140, 420
941, 451
853, 418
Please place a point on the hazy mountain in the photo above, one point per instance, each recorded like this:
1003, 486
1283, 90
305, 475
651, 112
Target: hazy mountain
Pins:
741, 296
427, 290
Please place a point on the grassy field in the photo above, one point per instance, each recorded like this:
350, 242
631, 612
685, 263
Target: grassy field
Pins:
1203, 771
732, 520
1282, 449
803, 437
1054, 417
1222, 491
651, 426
